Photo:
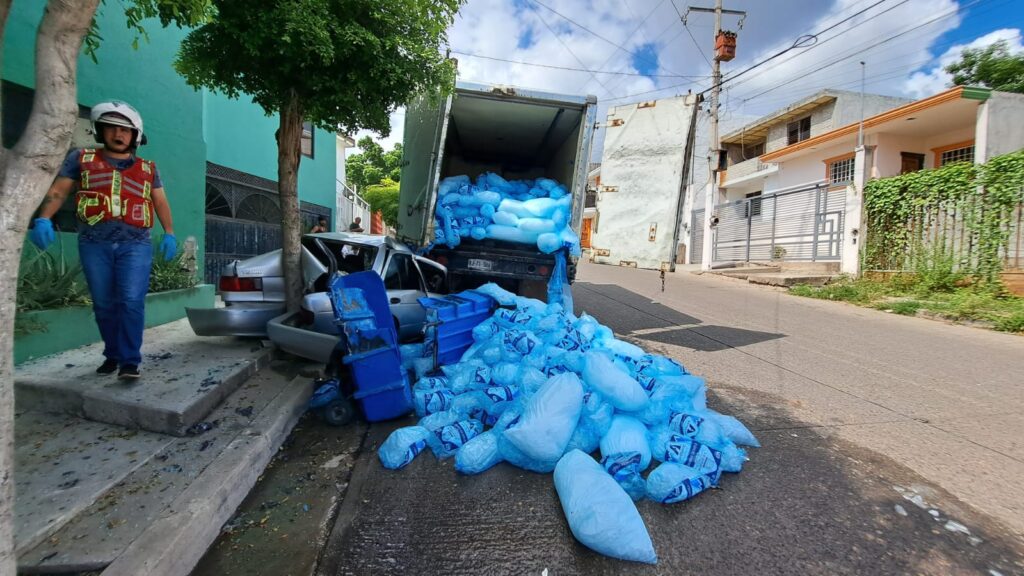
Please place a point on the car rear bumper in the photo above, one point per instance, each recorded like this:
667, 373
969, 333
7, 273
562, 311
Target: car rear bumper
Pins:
299, 341
242, 319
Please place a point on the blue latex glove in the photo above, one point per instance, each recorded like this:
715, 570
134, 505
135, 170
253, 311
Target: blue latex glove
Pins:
169, 246
42, 233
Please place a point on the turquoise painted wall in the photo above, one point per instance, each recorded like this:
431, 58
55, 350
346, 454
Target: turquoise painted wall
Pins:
171, 111
241, 136
185, 127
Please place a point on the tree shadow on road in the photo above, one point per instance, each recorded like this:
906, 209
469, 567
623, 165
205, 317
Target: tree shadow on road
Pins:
642, 313
627, 312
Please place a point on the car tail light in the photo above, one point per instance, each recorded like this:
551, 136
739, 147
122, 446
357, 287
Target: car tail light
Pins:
236, 284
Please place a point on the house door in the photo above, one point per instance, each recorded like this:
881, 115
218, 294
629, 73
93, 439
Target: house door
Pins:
910, 162
585, 233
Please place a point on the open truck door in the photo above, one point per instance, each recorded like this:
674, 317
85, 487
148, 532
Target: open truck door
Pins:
426, 126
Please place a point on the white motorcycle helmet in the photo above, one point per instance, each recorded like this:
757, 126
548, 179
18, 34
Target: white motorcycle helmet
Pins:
117, 113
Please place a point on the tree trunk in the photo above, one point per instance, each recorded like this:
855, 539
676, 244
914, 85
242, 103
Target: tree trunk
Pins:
26, 172
289, 141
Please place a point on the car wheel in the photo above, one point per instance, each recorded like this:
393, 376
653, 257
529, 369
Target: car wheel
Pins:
339, 412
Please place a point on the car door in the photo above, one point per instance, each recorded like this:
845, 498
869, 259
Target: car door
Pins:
403, 283
435, 276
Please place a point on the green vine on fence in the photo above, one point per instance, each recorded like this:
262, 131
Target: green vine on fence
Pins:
903, 212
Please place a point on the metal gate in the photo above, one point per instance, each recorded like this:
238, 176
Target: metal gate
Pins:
697, 236
243, 218
804, 224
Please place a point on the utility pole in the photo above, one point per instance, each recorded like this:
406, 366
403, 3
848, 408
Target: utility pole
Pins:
711, 191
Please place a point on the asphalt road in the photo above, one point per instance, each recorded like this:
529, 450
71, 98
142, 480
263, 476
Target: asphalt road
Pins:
890, 445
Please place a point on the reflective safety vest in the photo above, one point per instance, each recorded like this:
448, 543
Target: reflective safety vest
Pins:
106, 193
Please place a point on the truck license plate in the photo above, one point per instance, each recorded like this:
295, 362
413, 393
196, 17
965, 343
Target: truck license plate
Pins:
478, 264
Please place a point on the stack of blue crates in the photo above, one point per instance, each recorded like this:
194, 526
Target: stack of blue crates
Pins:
375, 364
450, 323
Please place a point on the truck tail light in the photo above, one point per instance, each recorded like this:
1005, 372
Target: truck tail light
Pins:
442, 260
236, 284
543, 270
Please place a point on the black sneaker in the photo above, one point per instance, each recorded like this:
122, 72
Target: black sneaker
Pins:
109, 366
129, 372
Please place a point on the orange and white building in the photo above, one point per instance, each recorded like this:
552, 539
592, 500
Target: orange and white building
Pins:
795, 194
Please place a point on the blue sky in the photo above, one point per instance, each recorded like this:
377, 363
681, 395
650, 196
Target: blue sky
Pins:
630, 50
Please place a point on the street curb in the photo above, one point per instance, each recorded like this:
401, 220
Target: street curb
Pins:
174, 544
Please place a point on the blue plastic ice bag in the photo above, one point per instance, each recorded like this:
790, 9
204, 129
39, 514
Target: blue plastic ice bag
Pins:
613, 383
478, 454
626, 435
672, 482
402, 446
549, 418
600, 513
451, 437
625, 468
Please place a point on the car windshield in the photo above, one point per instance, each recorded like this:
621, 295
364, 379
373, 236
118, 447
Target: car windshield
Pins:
350, 257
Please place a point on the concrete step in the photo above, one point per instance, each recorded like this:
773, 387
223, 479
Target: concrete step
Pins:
746, 271
787, 280
183, 378
159, 517
63, 464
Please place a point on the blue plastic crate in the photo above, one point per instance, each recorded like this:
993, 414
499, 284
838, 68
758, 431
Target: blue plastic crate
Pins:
450, 323
375, 364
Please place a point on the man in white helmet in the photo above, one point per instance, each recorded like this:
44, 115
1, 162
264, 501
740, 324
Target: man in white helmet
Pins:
117, 196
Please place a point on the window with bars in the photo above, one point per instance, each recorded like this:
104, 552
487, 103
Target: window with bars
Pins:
753, 207
799, 130
307, 139
964, 154
841, 171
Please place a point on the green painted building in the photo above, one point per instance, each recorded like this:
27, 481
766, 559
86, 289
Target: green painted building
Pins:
217, 157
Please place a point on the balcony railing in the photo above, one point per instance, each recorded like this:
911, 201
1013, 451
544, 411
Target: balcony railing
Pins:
748, 167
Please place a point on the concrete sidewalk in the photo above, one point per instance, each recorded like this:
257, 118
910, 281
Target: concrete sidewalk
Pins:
944, 400
138, 477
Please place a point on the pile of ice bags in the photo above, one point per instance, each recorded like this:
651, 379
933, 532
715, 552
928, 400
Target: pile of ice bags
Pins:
542, 389
523, 211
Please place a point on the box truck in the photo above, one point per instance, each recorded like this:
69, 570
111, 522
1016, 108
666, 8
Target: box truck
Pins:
513, 132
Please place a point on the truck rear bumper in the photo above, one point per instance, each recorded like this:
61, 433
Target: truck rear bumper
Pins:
489, 262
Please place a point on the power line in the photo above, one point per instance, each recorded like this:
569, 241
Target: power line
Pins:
907, 67
800, 42
598, 36
687, 28
833, 37
618, 82
471, 55
869, 47
651, 91
635, 30
569, 50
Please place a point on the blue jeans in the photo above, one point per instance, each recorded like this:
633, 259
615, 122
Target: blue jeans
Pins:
118, 277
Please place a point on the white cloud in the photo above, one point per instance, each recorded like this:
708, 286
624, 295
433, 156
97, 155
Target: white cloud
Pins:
496, 28
935, 79
397, 125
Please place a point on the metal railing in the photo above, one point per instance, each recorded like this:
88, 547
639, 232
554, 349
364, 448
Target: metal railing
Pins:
945, 229
746, 168
803, 224
697, 236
